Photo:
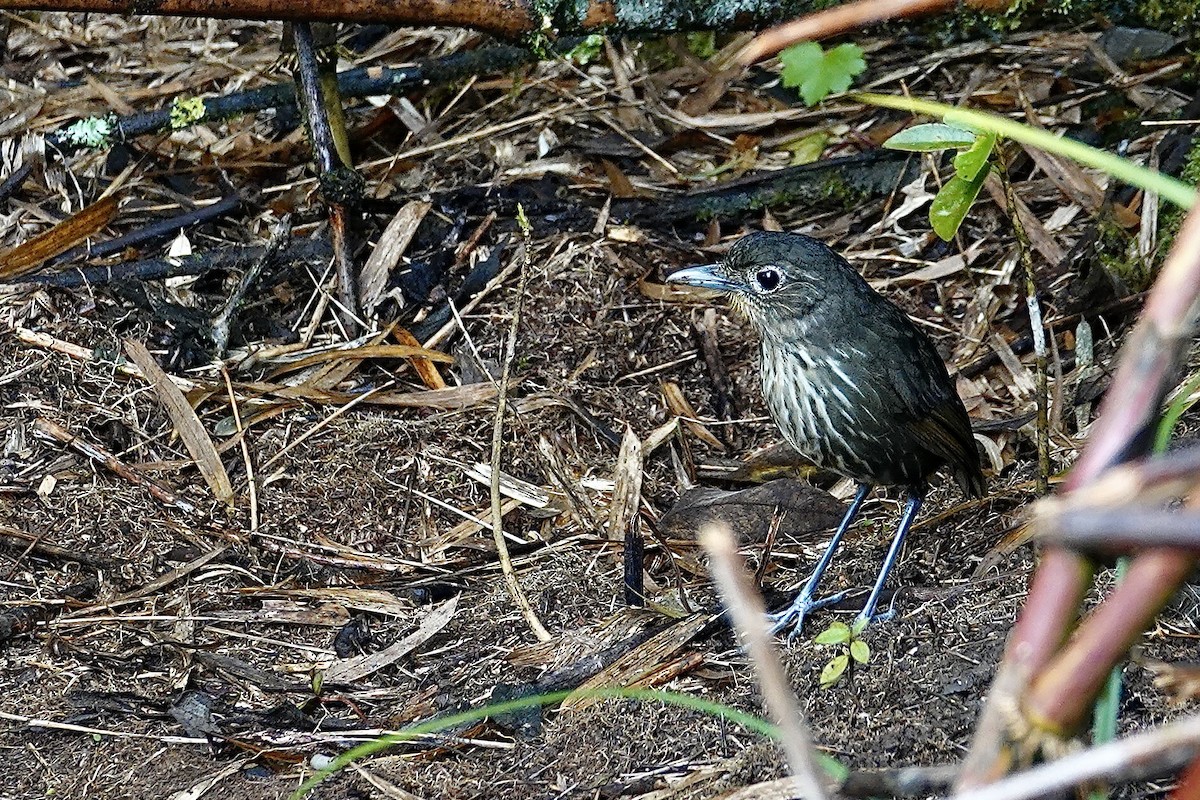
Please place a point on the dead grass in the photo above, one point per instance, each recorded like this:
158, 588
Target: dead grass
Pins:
237, 608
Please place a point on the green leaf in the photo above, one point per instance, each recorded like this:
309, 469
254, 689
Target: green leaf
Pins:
587, 50
817, 73
967, 165
952, 203
834, 670
836, 633
860, 625
931, 136
807, 149
859, 651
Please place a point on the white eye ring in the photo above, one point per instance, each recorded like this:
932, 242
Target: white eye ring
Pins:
767, 280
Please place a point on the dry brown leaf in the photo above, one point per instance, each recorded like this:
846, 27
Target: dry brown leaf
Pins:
365, 352
808, 512
187, 424
454, 398
388, 250
678, 405
675, 293
31, 254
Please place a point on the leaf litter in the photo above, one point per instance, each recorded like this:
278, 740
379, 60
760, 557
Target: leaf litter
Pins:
369, 520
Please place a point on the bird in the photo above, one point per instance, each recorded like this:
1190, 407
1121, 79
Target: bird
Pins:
852, 384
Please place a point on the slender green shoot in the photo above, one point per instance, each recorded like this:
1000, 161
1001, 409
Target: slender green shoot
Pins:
749, 721
1170, 418
1168, 188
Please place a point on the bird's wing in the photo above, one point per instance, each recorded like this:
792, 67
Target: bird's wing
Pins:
930, 409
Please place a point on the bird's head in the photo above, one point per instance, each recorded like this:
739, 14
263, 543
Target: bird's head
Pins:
776, 279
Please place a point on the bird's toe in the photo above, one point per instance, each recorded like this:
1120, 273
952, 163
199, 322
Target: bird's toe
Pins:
790, 620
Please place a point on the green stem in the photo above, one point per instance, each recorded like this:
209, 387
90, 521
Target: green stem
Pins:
748, 721
1168, 188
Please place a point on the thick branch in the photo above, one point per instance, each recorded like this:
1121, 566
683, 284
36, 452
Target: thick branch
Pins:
511, 19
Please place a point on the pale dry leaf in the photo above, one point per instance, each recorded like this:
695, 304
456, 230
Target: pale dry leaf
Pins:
197, 441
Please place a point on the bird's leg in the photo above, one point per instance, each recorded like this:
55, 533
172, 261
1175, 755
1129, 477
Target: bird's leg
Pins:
793, 616
868, 615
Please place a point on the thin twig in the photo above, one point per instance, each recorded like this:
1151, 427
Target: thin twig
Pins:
97, 453
749, 615
1024, 251
510, 352
281, 236
251, 486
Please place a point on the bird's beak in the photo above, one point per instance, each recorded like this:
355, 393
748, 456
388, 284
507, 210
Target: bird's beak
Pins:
705, 277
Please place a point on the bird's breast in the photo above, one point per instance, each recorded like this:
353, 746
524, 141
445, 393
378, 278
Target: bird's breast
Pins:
819, 400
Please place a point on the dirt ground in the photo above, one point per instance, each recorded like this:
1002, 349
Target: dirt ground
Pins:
156, 651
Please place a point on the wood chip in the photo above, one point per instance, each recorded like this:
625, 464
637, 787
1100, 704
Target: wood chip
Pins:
627, 486
29, 255
197, 441
348, 671
387, 253
639, 666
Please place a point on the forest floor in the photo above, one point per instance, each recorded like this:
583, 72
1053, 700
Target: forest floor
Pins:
159, 648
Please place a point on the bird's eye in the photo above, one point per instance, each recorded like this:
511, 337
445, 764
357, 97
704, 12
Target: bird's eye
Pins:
767, 279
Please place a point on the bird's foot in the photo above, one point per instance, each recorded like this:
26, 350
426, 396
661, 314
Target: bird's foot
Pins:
791, 619
868, 616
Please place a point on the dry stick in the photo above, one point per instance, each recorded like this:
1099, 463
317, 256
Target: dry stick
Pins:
510, 352
339, 182
1127, 417
749, 615
251, 486
502, 18
114, 464
1024, 252
281, 236
847, 17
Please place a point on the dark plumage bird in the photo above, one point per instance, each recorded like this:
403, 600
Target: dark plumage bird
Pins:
851, 382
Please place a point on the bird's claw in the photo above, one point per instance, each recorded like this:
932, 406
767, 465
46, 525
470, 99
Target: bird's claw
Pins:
791, 619
869, 616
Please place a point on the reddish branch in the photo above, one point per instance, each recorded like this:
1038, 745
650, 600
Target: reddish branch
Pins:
1065, 689
511, 19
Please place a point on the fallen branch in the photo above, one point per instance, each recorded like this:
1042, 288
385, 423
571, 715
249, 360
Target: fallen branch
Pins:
511, 20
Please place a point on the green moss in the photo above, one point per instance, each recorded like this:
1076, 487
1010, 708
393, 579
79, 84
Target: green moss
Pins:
186, 111
1117, 253
1171, 216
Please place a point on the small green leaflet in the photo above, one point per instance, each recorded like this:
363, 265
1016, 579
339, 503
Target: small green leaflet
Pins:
818, 73
859, 651
836, 633
932, 136
968, 164
952, 203
834, 670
